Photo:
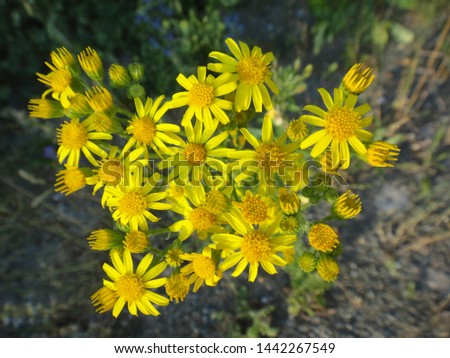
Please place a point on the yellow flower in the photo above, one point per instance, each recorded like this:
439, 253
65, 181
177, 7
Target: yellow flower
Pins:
269, 157
192, 160
255, 209
327, 268
202, 95
251, 70
307, 262
379, 154
145, 130
348, 205
173, 256
77, 106
130, 201
45, 108
288, 201
323, 238
297, 130
91, 64
254, 247
342, 126
105, 239
136, 241
197, 218
60, 81
74, 137
216, 201
100, 99
132, 287
70, 180
111, 171
202, 269
357, 79
62, 58
177, 287
118, 76
289, 224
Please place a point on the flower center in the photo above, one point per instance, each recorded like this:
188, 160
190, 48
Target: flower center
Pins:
204, 267
255, 247
269, 155
253, 209
111, 171
143, 130
60, 79
195, 153
216, 202
133, 203
322, 237
74, 179
130, 287
73, 135
202, 219
173, 257
201, 95
342, 123
252, 70
177, 287
136, 241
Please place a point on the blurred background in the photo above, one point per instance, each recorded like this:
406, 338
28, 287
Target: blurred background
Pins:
395, 269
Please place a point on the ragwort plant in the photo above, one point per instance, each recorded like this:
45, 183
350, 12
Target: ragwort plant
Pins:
200, 159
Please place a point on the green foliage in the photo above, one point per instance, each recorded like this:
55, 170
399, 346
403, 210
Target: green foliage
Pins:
371, 26
291, 82
167, 37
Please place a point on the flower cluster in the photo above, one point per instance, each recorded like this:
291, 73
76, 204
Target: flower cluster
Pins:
206, 168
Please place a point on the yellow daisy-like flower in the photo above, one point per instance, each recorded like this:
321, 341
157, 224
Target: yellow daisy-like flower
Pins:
327, 268
323, 238
62, 58
45, 108
60, 81
255, 247
119, 76
130, 201
379, 154
91, 64
132, 287
74, 137
111, 171
297, 130
202, 95
202, 269
173, 257
136, 241
145, 130
100, 99
70, 180
192, 160
269, 157
177, 287
105, 240
347, 206
216, 201
77, 106
251, 70
255, 209
342, 126
288, 201
307, 262
358, 79
196, 217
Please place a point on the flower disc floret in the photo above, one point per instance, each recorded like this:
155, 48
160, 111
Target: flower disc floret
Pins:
323, 238
202, 219
201, 95
195, 153
256, 247
327, 268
